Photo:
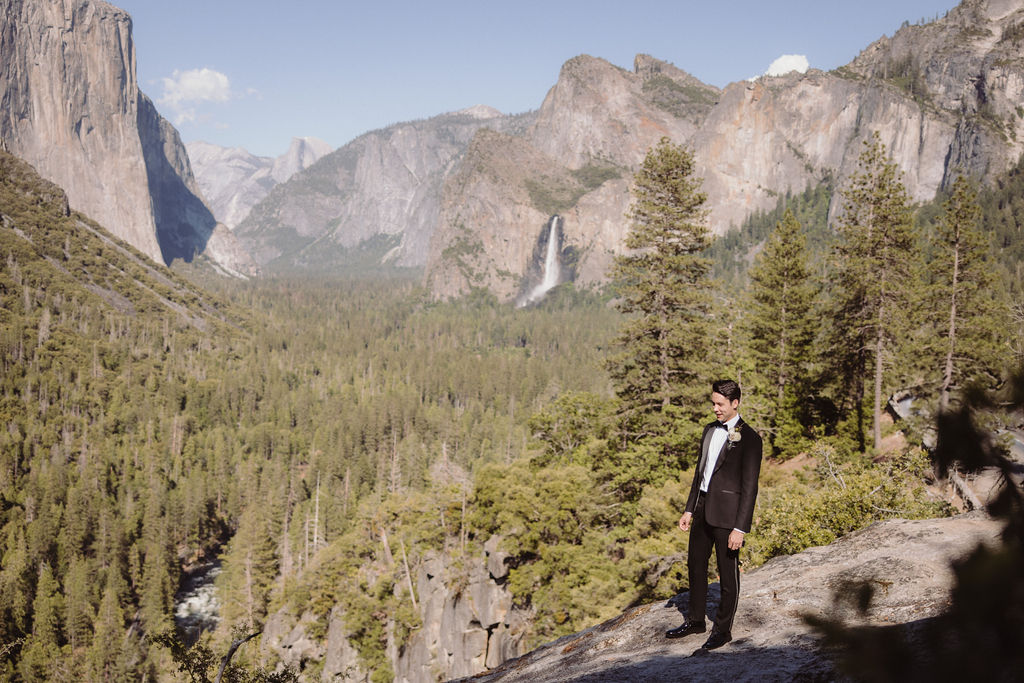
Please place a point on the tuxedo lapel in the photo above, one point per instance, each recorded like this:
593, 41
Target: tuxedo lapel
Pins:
725, 447
706, 443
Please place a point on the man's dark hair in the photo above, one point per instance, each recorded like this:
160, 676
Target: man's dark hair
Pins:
727, 388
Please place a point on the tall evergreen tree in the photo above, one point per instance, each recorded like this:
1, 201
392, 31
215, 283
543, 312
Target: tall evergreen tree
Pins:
42, 648
250, 563
105, 658
873, 278
970, 312
663, 285
780, 331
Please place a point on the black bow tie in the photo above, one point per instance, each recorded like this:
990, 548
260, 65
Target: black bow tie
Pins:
721, 425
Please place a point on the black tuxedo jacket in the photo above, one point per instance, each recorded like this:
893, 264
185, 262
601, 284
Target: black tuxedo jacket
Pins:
733, 487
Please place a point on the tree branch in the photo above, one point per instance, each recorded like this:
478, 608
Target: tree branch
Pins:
231, 653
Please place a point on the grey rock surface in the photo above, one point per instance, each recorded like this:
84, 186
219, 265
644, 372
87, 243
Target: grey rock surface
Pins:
907, 562
468, 625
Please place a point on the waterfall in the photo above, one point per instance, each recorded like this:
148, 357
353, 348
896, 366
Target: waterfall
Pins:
552, 268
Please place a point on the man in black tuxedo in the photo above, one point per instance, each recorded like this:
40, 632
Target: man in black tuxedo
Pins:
719, 512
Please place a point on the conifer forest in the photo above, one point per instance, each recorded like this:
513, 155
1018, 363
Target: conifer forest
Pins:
316, 435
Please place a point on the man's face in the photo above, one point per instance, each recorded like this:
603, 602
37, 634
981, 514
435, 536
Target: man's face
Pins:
724, 409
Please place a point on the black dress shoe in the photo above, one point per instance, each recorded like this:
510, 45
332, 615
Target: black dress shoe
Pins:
686, 629
716, 639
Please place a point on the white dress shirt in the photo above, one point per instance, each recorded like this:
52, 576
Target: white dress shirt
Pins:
718, 437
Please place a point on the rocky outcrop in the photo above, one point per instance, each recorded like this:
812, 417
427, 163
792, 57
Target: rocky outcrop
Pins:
70, 105
599, 112
465, 631
233, 180
469, 626
471, 630
906, 562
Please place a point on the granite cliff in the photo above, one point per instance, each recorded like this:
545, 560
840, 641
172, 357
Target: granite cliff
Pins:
70, 105
944, 97
469, 626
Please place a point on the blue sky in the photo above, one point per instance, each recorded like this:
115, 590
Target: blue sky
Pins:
255, 73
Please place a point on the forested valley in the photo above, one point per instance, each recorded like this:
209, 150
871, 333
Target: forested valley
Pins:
319, 436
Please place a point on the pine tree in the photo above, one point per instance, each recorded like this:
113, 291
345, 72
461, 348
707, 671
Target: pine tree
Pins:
969, 311
250, 563
78, 599
780, 331
42, 648
663, 284
873, 277
105, 657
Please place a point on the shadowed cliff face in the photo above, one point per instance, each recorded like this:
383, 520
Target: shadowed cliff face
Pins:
70, 98
72, 108
183, 222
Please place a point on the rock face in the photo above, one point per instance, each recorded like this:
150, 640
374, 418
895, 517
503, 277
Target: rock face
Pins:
907, 562
469, 626
576, 160
71, 106
597, 111
943, 97
464, 632
384, 185
233, 180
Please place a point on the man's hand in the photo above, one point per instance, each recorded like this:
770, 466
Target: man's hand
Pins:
684, 521
735, 539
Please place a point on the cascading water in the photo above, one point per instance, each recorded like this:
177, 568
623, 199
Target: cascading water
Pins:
552, 267
196, 607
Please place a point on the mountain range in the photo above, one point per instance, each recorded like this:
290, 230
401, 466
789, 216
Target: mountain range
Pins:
467, 196
469, 199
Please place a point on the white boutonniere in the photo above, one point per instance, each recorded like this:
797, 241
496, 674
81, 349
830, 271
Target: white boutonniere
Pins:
734, 435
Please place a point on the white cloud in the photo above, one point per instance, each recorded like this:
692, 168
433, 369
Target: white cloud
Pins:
195, 85
185, 89
786, 63
185, 116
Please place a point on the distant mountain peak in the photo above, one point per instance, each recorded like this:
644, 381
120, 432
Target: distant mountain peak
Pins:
480, 111
233, 180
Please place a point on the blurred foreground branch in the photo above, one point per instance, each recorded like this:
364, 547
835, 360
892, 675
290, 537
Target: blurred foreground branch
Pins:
981, 635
